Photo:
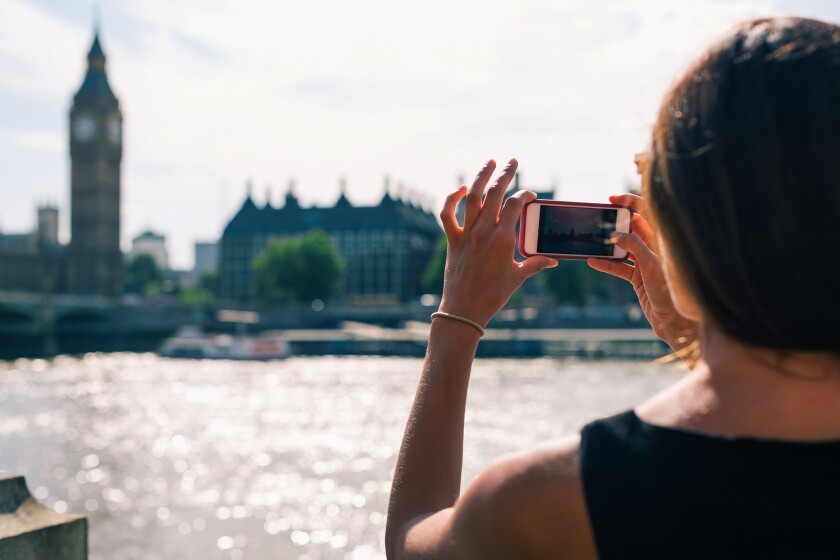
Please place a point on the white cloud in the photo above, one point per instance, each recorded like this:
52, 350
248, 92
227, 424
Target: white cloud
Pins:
34, 52
41, 141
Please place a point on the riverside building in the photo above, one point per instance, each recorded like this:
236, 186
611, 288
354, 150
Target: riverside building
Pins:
386, 247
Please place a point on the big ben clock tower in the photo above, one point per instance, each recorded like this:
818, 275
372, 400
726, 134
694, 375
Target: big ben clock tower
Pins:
95, 265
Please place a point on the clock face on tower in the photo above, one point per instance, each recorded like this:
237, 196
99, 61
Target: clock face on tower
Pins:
114, 129
84, 128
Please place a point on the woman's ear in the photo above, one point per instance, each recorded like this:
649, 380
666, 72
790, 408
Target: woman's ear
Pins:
684, 301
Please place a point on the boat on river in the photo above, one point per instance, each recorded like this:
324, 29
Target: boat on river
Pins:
192, 343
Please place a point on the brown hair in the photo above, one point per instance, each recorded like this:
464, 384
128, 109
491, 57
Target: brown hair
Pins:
744, 183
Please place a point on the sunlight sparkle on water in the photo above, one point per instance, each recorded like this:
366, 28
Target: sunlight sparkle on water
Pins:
292, 459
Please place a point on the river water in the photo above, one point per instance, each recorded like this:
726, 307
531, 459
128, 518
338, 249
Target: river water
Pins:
275, 460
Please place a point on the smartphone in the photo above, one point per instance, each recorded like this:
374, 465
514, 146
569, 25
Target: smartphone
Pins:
572, 230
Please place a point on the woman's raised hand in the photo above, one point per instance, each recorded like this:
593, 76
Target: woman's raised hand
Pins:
648, 276
481, 273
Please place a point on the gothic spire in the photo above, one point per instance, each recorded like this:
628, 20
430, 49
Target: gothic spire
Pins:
95, 88
96, 56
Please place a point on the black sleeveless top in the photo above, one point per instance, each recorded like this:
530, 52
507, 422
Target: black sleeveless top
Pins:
658, 492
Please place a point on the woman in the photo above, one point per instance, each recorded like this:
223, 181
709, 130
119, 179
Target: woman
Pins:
736, 266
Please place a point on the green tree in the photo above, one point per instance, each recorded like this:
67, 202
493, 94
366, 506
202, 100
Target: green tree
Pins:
206, 291
302, 269
142, 276
196, 296
209, 281
432, 279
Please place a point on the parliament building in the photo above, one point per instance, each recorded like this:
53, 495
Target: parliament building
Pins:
386, 247
92, 263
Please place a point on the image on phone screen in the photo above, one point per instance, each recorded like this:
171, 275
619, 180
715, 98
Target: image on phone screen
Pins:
576, 231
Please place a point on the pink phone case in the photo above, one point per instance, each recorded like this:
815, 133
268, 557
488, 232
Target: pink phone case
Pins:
523, 219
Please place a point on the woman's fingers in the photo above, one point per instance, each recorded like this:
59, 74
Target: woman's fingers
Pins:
447, 213
640, 224
635, 202
496, 193
620, 269
641, 227
475, 192
532, 265
512, 209
642, 255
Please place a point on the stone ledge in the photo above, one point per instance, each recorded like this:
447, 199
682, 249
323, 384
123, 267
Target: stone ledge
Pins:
30, 531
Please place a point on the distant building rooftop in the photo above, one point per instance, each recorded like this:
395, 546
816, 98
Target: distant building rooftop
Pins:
148, 234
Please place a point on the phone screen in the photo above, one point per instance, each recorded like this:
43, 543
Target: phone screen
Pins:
572, 230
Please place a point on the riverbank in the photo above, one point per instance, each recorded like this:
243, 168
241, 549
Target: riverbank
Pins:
360, 339
33, 326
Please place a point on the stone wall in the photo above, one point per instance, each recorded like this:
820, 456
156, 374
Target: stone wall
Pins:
30, 531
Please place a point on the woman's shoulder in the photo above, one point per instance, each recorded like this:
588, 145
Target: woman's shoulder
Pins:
534, 501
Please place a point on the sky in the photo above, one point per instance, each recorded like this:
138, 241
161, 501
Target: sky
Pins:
217, 93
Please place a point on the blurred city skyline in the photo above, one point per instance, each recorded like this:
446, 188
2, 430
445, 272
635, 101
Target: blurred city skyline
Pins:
216, 94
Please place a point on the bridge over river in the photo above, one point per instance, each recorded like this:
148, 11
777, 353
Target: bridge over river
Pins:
37, 325
45, 325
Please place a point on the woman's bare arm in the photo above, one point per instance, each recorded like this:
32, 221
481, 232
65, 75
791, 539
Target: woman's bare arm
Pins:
427, 479
480, 277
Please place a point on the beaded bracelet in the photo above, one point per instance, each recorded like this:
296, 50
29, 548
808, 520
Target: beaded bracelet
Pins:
470, 322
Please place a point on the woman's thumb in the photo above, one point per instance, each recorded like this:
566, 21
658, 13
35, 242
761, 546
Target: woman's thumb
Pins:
532, 265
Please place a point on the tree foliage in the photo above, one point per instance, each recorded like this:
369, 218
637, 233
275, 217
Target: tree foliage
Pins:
432, 280
142, 275
196, 296
204, 292
209, 282
302, 269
